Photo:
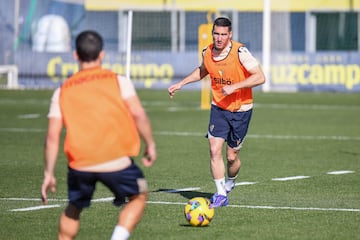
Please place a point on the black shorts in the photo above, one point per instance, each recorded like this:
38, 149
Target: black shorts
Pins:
124, 183
231, 126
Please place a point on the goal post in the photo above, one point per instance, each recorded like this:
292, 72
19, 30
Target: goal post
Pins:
266, 44
204, 40
9, 77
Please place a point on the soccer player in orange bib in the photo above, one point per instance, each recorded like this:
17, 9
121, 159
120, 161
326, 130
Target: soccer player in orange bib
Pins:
233, 72
104, 121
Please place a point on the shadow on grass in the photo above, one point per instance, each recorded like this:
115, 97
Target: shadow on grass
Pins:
189, 225
186, 194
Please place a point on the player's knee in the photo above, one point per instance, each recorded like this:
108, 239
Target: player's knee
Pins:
232, 157
140, 197
72, 212
215, 152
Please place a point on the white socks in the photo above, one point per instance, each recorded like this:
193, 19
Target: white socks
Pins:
230, 183
120, 233
220, 186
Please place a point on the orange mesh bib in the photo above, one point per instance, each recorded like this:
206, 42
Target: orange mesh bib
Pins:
227, 72
99, 127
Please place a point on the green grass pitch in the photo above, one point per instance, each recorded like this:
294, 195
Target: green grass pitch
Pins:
296, 138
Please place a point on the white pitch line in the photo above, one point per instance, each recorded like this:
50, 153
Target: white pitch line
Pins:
292, 137
257, 105
109, 199
192, 189
34, 208
22, 130
244, 183
21, 199
29, 116
290, 178
340, 172
270, 207
183, 203
298, 208
304, 106
32, 199
266, 136
194, 134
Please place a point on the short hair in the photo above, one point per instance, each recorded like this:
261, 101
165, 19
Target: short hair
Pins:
88, 45
222, 22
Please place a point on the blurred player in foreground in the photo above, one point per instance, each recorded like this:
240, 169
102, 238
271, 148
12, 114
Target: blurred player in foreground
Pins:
103, 117
233, 72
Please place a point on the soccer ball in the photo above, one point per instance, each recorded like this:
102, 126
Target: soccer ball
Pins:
199, 212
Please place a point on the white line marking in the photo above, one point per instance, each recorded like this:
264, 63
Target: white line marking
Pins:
288, 137
304, 106
340, 172
21, 199
182, 203
109, 199
194, 134
29, 116
290, 178
266, 136
180, 107
270, 207
298, 208
21, 130
244, 183
35, 208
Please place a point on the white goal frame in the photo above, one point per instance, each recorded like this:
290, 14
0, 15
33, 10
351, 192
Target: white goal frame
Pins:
12, 76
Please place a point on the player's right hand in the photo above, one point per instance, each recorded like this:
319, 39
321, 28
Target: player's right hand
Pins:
173, 88
48, 183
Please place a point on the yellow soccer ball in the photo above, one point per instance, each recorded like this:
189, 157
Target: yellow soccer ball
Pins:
199, 212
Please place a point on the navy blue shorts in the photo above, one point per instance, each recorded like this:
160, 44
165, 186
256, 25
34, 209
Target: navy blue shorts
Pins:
231, 126
124, 183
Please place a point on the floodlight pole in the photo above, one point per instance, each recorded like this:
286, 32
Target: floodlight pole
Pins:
128, 43
266, 44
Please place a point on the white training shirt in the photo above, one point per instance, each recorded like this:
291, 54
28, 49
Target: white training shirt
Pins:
127, 90
247, 59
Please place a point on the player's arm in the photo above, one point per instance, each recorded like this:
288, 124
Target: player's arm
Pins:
256, 76
141, 119
143, 125
52, 143
196, 75
51, 148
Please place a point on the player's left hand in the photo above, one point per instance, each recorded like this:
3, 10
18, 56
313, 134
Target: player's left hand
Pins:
149, 156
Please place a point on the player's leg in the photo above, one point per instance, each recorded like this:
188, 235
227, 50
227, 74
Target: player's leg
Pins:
129, 182
69, 223
81, 186
217, 166
233, 167
235, 141
217, 133
131, 215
